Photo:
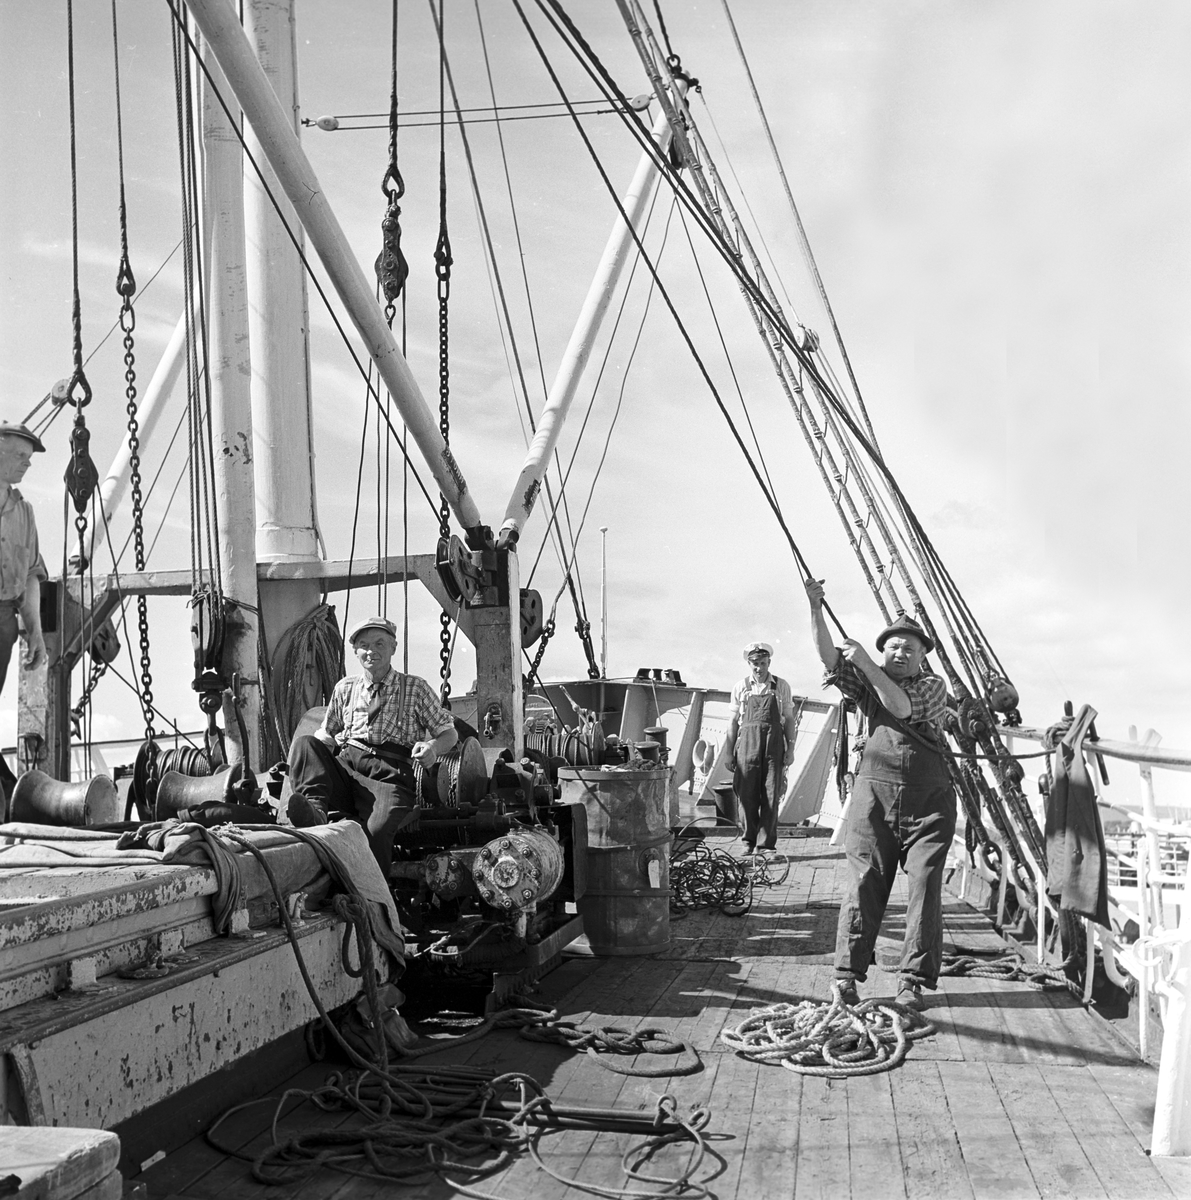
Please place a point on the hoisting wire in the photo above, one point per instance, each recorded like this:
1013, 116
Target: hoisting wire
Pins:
727, 354
803, 240
442, 273
298, 247
767, 303
81, 475
582, 625
771, 500
587, 57
126, 287
595, 387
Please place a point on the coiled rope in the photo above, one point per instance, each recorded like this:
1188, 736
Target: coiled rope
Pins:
703, 877
833, 1040
428, 1123
1010, 967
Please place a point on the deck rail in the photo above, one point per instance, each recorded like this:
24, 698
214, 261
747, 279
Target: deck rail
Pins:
1158, 906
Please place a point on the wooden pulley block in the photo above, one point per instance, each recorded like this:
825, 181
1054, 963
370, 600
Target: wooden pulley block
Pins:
40, 800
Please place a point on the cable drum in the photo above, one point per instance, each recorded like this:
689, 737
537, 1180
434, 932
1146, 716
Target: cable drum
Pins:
458, 777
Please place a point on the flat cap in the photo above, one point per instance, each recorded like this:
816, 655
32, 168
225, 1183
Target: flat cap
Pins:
381, 623
904, 626
11, 429
758, 648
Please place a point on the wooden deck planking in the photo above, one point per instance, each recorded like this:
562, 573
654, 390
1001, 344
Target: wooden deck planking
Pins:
769, 1162
932, 1165
993, 1158
822, 1168
1056, 1159
1118, 1158
873, 1138
997, 1103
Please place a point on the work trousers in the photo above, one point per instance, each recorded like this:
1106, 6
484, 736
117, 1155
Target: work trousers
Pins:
8, 636
373, 786
889, 824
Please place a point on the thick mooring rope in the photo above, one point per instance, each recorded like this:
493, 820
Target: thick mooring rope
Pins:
1011, 968
833, 1040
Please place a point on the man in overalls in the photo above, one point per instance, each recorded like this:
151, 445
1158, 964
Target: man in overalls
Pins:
902, 808
760, 742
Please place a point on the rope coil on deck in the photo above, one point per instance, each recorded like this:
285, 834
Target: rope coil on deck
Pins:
834, 1040
703, 877
1011, 968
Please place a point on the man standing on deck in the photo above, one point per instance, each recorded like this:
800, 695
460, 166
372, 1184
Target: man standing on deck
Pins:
21, 565
902, 807
359, 764
760, 743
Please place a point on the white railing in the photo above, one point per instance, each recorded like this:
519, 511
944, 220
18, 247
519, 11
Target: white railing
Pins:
1159, 902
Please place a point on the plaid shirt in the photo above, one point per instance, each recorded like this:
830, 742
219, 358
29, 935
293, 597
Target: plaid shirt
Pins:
19, 554
927, 694
411, 712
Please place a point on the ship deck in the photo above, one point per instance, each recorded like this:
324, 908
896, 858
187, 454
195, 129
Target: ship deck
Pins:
1021, 1093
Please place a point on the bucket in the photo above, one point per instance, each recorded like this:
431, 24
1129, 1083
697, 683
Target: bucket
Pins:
725, 804
626, 907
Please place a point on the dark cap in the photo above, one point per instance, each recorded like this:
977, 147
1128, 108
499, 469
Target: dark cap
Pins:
381, 623
905, 626
21, 431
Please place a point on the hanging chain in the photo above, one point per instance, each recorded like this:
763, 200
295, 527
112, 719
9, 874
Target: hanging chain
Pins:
442, 272
81, 476
126, 287
98, 671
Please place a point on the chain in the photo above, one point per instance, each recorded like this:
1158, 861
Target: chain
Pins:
98, 670
126, 288
547, 634
442, 272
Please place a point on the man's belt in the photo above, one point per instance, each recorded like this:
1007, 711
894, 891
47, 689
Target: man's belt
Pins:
10, 606
383, 749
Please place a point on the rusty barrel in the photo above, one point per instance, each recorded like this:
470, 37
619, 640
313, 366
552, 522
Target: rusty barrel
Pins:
626, 907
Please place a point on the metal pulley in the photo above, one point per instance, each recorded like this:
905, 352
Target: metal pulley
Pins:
460, 576
1003, 698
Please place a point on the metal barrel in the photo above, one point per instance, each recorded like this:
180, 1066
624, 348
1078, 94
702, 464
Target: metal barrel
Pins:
626, 906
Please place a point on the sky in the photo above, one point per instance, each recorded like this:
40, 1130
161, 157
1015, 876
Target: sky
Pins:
997, 196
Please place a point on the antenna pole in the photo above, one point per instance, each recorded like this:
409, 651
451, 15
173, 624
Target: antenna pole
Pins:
603, 601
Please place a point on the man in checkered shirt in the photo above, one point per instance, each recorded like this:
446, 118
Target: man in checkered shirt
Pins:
359, 763
902, 807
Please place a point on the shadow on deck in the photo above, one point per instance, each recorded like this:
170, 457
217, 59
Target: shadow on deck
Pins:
1019, 1093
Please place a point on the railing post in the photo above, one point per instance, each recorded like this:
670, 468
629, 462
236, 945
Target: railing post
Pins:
1172, 1106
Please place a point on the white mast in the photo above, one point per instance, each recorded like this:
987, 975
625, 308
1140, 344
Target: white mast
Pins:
273, 126
587, 327
230, 367
278, 317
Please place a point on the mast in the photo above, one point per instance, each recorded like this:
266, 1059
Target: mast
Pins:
587, 328
279, 146
230, 367
604, 601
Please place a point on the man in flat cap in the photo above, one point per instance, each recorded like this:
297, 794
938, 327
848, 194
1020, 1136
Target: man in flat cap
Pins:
760, 742
902, 808
359, 764
21, 565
